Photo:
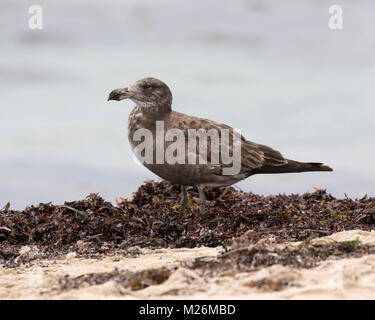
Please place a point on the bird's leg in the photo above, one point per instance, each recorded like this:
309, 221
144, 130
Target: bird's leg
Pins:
185, 199
202, 199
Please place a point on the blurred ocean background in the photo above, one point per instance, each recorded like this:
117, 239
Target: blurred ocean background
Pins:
270, 68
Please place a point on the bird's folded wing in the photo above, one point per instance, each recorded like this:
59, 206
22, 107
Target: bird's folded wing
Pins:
252, 155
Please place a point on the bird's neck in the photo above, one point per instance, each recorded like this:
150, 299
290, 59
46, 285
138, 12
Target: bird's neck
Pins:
143, 117
153, 110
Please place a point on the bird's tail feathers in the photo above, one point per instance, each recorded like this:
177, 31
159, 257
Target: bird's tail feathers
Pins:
293, 166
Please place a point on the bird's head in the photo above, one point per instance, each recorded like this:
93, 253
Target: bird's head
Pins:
147, 92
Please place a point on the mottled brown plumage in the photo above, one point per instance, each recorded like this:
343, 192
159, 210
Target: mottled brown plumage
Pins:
153, 103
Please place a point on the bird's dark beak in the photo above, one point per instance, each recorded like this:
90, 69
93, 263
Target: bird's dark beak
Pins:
119, 94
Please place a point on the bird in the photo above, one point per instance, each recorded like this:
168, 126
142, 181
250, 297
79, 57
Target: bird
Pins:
153, 105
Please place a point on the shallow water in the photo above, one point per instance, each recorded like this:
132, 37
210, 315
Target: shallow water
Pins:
275, 71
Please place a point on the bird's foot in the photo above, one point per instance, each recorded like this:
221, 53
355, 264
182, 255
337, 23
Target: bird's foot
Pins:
185, 200
185, 203
202, 209
202, 200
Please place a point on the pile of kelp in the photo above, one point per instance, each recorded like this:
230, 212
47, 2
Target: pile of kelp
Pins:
152, 218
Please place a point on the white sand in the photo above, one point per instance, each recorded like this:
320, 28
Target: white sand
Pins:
352, 278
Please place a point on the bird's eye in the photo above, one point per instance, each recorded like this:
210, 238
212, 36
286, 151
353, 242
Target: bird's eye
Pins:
147, 85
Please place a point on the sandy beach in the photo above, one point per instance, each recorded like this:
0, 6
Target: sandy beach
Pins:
347, 278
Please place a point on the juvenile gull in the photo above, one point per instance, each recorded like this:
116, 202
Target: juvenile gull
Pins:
153, 101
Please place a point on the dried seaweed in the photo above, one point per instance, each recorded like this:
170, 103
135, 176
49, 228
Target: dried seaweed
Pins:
245, 256
152, 218
132, 280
